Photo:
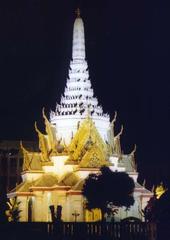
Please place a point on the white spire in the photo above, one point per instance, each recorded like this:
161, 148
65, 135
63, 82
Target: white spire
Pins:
78, 96
78, 50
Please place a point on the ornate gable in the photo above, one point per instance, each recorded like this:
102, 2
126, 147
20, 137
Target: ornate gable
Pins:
31, 161
94, 158
87, 147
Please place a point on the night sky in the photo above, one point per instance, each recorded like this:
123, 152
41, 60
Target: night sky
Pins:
128, 52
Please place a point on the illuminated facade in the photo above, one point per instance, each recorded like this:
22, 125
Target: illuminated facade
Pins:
79, 139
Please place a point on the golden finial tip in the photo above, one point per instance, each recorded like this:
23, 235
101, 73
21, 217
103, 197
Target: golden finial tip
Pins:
78, 12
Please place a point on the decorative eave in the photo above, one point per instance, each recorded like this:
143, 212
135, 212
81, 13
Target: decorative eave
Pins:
79, 116
132, 173
48, 163
144, 191
74, 192
146, 195
87, 169
32, 171
72, 162
22, 194
53, 188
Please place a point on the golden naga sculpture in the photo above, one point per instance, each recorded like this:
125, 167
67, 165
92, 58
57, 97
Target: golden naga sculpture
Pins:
133, 162
51, 133
55, 146
26, 158
111, 134
31, 160
85, 143
43, 145
113, 122
117, 146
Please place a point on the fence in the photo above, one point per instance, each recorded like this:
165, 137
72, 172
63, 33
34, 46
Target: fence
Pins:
81, 231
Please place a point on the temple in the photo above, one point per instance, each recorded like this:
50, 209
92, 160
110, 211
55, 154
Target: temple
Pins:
79, 138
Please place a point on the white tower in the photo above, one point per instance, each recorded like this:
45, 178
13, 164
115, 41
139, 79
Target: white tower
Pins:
78, 100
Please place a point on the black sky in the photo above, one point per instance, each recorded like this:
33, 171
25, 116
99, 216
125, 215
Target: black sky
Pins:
128, 50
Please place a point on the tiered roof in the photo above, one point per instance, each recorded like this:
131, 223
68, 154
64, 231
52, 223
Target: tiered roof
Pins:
78, 98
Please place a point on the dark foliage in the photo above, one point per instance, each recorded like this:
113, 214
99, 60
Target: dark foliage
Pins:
13, 210
108, 189
149, 211
162, 210
158, 210
3, 199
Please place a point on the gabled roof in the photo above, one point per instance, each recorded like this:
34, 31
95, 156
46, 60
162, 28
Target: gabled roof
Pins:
22, 187
79, 185
68, 179
87, 148
46, 180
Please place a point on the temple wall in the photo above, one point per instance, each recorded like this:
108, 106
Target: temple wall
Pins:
134, 210
75, 206
23, 207
40, 207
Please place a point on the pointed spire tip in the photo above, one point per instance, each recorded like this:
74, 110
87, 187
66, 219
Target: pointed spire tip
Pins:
78, 12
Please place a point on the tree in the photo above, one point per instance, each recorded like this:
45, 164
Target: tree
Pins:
108, 189
13, 212
158, 211
149, 212
158, 206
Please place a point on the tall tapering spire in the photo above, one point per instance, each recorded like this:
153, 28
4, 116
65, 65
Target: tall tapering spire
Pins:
78, 12
78, 99
78, 50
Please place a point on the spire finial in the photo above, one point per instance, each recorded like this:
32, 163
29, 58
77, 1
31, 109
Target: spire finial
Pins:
78, 12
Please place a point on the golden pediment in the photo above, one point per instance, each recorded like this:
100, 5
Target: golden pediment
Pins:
94, 158
87, 148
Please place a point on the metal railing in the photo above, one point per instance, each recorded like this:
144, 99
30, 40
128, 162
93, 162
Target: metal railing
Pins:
79, 230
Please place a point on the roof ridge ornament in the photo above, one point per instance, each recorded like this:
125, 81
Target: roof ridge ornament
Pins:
134, 150
115, 117
22, 147
36, 128
120, 133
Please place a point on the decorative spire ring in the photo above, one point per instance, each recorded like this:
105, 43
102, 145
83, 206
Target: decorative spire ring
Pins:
78, 12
